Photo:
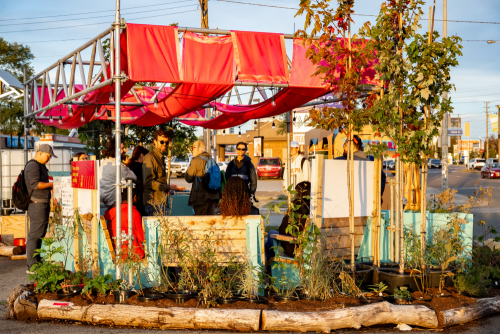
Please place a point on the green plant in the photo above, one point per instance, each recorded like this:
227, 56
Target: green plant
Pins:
102, 284
251, 279
379, 288
474, 281
47, 274
402, 293
283, 287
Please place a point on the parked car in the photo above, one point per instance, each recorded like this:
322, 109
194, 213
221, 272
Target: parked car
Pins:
179, 166
477, 163
490, 171
434, 163
269, 167
492, 161
223, 165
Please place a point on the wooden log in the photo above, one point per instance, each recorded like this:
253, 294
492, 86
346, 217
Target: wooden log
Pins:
461, 315
19, 257
369, 315
53, 309
10, 250
25, 306
163, 318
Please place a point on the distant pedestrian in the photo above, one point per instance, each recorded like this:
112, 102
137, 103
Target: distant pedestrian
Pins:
243, 167
200, 198
36, 177
80, 156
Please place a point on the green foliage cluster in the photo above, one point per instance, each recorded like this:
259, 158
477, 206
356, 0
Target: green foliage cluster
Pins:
475, 281
47, 274
402, 293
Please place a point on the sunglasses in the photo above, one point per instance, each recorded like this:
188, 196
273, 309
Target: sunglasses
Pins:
241, 149
163, 142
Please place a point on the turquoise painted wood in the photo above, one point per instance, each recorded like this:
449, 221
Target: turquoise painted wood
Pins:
411, 220
179, 206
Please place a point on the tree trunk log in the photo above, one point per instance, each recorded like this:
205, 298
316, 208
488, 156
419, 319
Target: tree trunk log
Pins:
25, 306
52, 309
163, 318
461, 315
10, 250
369, 315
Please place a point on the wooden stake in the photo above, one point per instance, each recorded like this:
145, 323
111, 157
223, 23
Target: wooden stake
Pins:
76, 224
94, 247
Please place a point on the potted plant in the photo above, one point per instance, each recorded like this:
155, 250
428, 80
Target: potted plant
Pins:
402, 294
251, 279
377, 294
284, 289
227, 288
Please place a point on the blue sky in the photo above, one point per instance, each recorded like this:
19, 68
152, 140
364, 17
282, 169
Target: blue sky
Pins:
53, 28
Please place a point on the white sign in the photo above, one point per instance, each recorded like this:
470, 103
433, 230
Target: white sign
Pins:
66, 199
336, 193
257, 146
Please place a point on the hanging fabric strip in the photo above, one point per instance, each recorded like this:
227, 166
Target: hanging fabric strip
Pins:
260, 57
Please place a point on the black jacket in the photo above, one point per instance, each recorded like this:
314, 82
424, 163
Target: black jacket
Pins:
246, 172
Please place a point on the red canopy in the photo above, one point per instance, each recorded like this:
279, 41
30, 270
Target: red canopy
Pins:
209, 67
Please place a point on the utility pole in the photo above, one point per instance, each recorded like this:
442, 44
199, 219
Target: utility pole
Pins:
444, 123
204, 13
498, 129
487, 140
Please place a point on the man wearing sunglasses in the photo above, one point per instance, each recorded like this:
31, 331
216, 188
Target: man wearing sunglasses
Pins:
243, 167
154, 174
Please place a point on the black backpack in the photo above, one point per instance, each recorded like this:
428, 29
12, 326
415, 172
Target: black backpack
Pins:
20, 195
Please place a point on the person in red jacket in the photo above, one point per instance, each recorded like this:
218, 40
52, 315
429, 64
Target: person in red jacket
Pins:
137, 230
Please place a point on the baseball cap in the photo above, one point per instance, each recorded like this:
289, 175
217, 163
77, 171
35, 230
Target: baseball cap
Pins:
46, 148
294, 144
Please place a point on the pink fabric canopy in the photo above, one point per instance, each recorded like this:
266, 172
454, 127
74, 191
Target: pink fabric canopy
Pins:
208, 69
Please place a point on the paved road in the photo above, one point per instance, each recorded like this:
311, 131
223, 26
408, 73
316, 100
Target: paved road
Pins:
264, 187
466, 184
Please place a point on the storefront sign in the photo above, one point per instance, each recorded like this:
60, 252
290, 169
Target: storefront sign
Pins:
258, 146
83, 174
455, 132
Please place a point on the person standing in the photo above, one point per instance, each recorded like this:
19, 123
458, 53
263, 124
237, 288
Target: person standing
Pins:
36, 177
107, 173
154, 175
243, 167
200, 198
135, 166
300, 170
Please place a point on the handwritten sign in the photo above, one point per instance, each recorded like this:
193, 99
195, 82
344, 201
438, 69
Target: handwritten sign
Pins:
83, 174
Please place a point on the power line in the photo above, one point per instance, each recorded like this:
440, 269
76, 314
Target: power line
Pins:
106, 10
372, 15
95, 17
86, 24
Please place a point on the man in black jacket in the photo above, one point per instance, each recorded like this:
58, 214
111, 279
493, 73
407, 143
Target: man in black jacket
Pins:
36, 176
243, 167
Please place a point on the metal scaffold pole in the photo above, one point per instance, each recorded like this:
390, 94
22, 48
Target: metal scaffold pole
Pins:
117, 81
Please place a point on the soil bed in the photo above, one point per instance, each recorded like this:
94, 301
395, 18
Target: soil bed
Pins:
438, 304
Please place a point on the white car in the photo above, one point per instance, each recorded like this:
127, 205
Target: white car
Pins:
492, 161
179, 166
477, 163
223, 165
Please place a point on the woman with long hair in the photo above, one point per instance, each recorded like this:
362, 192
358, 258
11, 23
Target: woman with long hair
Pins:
235, 200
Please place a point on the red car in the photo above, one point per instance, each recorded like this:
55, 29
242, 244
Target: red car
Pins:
490, 171
269, 167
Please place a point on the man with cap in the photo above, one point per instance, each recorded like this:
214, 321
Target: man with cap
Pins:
36, 176
300, 168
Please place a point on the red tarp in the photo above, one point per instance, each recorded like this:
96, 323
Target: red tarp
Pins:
207, 70
260, 57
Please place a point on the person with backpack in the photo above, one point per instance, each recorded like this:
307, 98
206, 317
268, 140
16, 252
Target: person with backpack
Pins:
38, 186
205, 176
243, 167
300, 169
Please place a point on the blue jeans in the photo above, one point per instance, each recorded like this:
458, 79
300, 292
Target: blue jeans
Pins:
269, 243
39, 222
151, 210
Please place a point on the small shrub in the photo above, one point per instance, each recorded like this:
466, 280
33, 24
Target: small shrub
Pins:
474, 282
402, 293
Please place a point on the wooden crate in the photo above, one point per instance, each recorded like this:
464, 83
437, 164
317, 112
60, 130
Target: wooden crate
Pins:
14, 224
231, 237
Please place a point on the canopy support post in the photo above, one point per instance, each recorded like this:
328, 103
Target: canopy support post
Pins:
288, 157
117, 81
26, 110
